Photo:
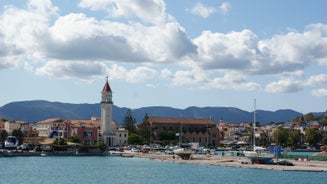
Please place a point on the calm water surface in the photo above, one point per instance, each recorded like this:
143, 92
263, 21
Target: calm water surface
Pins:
90, 170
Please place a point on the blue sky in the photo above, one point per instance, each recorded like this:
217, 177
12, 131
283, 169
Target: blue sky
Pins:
166, 53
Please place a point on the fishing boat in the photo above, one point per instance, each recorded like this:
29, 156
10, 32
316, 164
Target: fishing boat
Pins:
259, 154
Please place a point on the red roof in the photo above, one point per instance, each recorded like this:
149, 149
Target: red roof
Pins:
106, 87
193, 121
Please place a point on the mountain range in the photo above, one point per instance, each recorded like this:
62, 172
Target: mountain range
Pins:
37, 110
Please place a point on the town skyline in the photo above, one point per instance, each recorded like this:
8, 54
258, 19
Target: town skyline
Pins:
166, 53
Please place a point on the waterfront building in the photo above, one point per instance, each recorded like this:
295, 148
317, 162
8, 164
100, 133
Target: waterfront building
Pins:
197, 130
9, 126
2, 125
44, 127
121, 137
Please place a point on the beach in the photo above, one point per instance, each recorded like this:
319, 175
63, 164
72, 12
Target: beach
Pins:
232, 161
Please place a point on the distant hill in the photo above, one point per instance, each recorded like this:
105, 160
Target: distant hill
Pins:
33, 111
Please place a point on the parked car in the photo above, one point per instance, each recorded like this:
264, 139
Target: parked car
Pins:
25, 147
43, 147
145, 150
135, 150
285, 162
169, 151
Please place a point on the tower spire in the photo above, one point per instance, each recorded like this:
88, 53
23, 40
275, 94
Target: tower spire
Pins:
106, 87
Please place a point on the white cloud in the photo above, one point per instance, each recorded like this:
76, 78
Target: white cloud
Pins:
243, 52
76, 36
234, 50
225, 7
64, 70
284, 86
166, 73
189, 77
152, 11
319, 92
76, 45
234, 82
138, 74
43, 7
316, 80
201, 10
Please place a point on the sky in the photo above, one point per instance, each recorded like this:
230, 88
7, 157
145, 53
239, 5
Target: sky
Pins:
183, 53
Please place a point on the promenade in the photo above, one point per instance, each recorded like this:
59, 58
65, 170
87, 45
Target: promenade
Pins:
233, 161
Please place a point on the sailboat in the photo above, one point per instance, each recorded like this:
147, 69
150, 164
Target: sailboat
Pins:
259, 154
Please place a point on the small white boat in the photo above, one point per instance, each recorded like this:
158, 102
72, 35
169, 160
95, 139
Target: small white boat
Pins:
184, 154
259, 155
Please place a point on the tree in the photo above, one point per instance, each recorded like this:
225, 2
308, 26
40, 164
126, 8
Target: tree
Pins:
280, 136
135, 139
75, 139
19, 135
312, 136
322, 123
295, 137
309, 117
130, 122
3, 135
264, 139
324, 141
168, 136
144, 129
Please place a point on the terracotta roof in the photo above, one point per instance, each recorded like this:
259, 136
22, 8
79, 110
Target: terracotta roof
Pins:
106, 87
89, 122
193, 121
50, 120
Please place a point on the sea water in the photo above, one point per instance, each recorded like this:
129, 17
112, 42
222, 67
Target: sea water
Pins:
93, 169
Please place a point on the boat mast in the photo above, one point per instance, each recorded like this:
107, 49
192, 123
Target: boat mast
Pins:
254, 124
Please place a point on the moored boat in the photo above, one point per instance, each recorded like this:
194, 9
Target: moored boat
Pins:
259, 155
183, 153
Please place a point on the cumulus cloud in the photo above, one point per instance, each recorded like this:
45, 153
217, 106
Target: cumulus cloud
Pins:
284, 86
235, 50
201, 10
138, 74
76, 36
234, 82
63, 70
77, 45
319, 92
244, 51
150, 11
316, 80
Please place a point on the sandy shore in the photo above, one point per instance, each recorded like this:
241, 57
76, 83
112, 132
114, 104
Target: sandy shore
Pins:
231, 161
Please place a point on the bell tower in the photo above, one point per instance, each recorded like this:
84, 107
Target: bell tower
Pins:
106, 114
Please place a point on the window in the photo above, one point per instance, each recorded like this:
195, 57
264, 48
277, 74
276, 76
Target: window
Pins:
88, 133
